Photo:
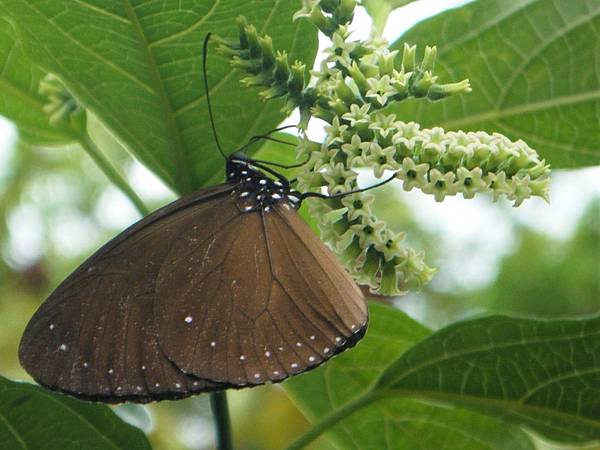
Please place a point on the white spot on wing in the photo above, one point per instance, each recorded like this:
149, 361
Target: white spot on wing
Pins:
188, 319
63, 347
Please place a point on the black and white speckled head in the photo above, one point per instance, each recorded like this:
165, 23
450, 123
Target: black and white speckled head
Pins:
255, 189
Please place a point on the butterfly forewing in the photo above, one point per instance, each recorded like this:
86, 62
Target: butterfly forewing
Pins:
95, 336
268, 302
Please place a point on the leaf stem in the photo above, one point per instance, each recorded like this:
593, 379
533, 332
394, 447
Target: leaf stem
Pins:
111, 172
218, 403
334, 417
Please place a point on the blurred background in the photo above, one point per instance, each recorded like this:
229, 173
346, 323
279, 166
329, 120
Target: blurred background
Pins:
539, 259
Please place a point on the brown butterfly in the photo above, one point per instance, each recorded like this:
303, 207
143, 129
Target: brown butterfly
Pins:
227, 287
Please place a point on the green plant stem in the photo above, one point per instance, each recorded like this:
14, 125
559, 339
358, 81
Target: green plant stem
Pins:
218, 403
111, 172
330, 420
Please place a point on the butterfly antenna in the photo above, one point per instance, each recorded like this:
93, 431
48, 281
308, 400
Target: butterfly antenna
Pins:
266, 137
345, 194
210, 113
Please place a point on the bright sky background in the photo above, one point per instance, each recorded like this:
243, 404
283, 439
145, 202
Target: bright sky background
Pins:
474, 234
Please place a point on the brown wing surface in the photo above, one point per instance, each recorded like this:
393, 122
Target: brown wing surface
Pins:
261, 300
95, 336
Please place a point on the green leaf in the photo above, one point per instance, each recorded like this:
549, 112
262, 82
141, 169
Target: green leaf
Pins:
34, 418
19, 99
379, 10
542, 374
137, 66
533, 66
393, 423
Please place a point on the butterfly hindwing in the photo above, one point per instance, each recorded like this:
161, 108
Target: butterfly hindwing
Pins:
268, 302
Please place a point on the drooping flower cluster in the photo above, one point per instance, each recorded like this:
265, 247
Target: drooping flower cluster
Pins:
437, 162
355, 82
62, 107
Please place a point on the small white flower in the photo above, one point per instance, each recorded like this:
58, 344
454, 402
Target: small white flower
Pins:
440, 184
541, 188
470, 182
356, 152
520, 189
335, 132
358, 114
380, 89
412, 174
339, 178
341, 49
391, 245
497, 183
385, 124
359, 205
369, 231
382, 159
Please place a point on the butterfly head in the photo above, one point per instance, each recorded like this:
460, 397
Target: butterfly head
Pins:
255, 189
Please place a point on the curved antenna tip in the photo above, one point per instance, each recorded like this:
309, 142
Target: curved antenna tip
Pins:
207, 93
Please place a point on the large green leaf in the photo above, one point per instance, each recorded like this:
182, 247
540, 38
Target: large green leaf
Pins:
19, 99
542, 374
533, 65
137, 66
394, 423
34, 418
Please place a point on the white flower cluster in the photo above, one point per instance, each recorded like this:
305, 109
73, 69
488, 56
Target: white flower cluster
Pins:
437, 162
356, 81
367, 74
61, 107
374, 254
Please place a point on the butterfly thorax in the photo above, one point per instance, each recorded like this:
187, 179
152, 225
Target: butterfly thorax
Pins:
255, 190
